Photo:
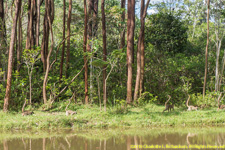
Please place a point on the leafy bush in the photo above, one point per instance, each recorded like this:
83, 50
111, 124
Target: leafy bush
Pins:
166, 32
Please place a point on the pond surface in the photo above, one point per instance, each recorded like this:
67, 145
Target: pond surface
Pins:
115, 139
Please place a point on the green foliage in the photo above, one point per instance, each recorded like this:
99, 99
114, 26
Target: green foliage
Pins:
30, 56
99, 63
166, 32
210, 99
146, 98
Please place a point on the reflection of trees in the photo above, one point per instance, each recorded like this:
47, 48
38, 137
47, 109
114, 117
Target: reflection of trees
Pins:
220, 139
5, 145
136, 142
44, 144
168, 142
70, 141
30, 144
69, 145
189, 135
24, 144
104, 144
128, 142
86, 145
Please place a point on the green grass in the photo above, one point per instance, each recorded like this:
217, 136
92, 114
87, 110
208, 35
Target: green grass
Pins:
149, 115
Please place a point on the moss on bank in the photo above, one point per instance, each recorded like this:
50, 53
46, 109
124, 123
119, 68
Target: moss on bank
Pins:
90, 117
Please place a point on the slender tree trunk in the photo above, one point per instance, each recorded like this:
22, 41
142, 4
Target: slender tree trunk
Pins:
63, 47
130, 47
104, 53
45, 40
140, 47
122, 34
218, 46
206, 51
95, 18
15, 45
89, 38
38, 22
85, 58
99, 92
142, 65
68, 35
10, 60
138, 76
20, 39
2, 26
30, 80
3, 44
50, 18
142, 53
29, 42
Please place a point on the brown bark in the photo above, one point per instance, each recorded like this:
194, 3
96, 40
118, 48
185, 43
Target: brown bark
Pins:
2, 34
142, 66
63, 47
90, 20
130, 47
49, 5
95, 18
10, 57
104, 53
38, 22
206, 51
2, 26
20, 38
122, 34
68, 34
30, 40
45, 39
85, 49
90, 34
140, 48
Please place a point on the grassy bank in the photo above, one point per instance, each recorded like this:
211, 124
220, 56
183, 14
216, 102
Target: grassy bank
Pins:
149, 115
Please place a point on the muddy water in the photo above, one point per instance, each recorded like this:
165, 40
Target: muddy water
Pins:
116, 139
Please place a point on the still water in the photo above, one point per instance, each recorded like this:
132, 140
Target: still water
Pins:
115, 139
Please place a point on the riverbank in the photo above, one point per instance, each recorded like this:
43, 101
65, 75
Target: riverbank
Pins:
87, 117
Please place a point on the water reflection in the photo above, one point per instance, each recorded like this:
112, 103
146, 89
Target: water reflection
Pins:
110, 140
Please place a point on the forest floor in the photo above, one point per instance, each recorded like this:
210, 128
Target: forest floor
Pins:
87, 117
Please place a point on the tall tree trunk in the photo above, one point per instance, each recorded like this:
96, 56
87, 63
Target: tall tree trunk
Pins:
20, 40
140, 47
30, 42
122, 34
130, 47
104, 53
206, 51
142, 65
2, 27
89, 23
49, 6
63, 47
89, 38
38, 22
95, 18
85, 58
3, 44
45, 39
68, 35
10, 60
217, 74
